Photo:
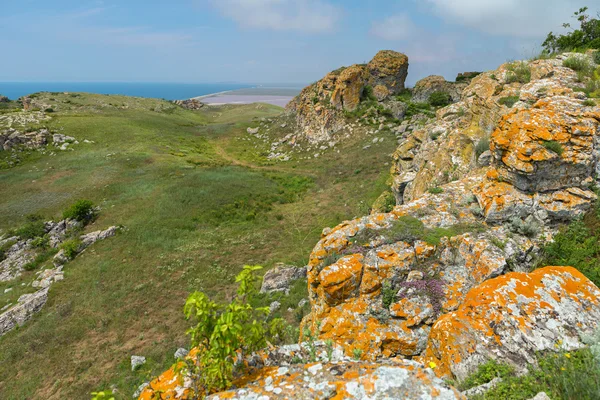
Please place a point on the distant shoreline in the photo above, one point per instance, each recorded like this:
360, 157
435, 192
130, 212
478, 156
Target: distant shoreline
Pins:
275, 96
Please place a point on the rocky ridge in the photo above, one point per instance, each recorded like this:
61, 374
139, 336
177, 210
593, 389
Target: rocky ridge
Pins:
446, 280
20, 253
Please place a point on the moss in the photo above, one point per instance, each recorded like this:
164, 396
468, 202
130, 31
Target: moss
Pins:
553, 146
508, 101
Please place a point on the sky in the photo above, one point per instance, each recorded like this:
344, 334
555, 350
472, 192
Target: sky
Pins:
265, 41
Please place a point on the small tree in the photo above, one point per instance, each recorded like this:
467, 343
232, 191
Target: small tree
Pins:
586, 37
225, 332
81, 210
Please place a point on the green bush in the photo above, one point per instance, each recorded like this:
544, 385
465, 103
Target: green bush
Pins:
405, 95
367, 94
482, 146
388, 294
440, 99
418, 108
224, 331
589, 103
485, 373
577, 63
518, 71
81, 210
596, 57
553, 146
71, 248
587, 36
563, 375
33, 228
435, 190
508, 101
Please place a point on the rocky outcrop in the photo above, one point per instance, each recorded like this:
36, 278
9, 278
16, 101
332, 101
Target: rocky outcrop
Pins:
26, 307
435, 83
189, 104
394, 379
319, 109
512, 317
11, 138
281, 277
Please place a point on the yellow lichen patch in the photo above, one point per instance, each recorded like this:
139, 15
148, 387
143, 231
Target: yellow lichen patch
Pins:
165, 386
341, 280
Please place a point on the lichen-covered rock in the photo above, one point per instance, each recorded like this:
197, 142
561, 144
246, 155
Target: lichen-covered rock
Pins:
436, 83
349, 87
349, 278
393, 380
512, 317
388, 69
319, 108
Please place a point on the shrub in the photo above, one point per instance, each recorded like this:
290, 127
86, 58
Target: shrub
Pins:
418, 108
71, 248
485, 373
482, 146
34, 227
589, 103
81, 210
49, 110
440, 99
508, 101
587, 36
388, 294
596, 57
518, 72
367, 94
224, 331
553, 146
435, 190
405, 95
577, 63
528, 227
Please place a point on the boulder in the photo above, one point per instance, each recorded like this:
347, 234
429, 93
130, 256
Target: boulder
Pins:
513, 317
349, 88
92, 237
281, 277
27, 306
388, 69
402, 379
137, 361
436, 83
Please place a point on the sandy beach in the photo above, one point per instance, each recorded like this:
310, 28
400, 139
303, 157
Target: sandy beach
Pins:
276, 96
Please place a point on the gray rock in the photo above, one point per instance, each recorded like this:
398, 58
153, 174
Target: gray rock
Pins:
252, 131
541, 396
60, 258
281, 277
274, 306
137, 361
398, 110
27, 306
485, 159
302, 302
481, 389
181, 353
140, 389
93, 237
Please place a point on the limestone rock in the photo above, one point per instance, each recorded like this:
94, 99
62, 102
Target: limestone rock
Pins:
481, 389
436, 83
27, 306
92, 237
137, 361
389, 69
349, 88
514, 316
281, 277
389, 380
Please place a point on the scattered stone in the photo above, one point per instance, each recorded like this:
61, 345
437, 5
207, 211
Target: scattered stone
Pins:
137, 361
252, 131
26, 307
281, 277
274, 306
181, 353
482, 389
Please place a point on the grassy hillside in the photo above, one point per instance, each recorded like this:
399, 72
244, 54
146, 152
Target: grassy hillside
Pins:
198, 201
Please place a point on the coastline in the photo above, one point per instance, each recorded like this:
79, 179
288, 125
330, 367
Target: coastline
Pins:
276, 96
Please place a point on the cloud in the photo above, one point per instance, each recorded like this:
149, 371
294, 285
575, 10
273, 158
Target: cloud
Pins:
514, 18
308, 16
396, 27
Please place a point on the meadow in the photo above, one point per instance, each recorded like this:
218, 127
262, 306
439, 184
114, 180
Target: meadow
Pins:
197, 198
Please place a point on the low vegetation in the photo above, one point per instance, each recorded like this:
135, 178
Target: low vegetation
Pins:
508, 101
518, 71
586, 36
440, 99
553, 146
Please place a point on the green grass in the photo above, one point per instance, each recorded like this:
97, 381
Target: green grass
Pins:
508, 101
161, 174
518, 71
554, 146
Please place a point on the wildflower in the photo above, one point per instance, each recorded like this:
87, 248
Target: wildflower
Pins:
563, 369
568, 355
432, 365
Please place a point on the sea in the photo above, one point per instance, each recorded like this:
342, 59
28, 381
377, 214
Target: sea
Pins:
168, 91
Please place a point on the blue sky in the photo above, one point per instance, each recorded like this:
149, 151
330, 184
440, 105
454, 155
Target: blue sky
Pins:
264, 41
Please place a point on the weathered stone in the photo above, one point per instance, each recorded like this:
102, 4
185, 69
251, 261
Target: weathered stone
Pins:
137, 361
435, 83
481, 389
281, 277
513, 317
389, 69
27, 306
401, 379
190, 104
92, 237
349, 88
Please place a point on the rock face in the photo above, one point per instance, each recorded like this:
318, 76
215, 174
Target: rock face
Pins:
281, 277
436, 83
547, 115
190, 104
391, 380
359, 264
512, 317
319, 109
26, 307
